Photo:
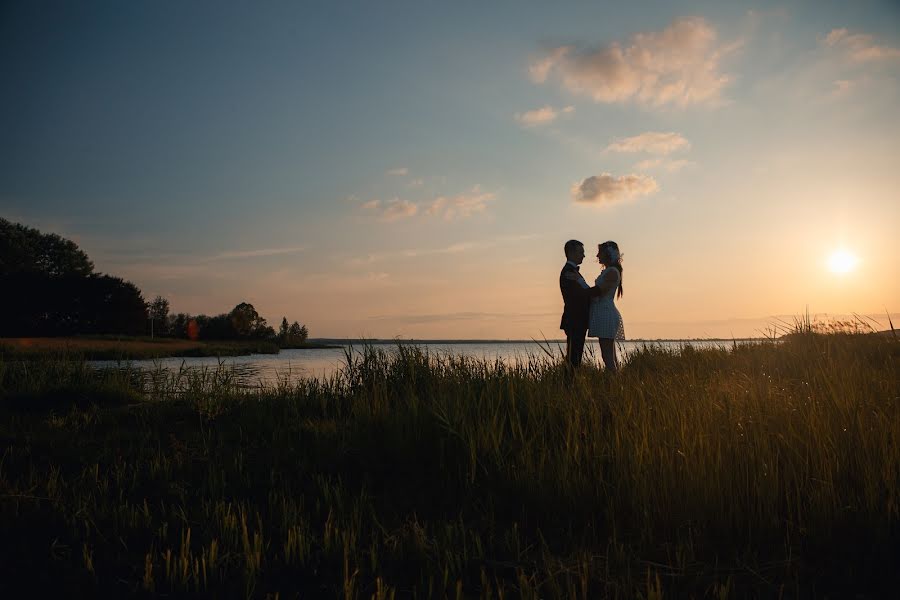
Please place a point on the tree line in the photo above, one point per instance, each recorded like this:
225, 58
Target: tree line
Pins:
242, 323
49, 288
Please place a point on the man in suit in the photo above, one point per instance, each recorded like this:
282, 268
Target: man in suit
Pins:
576, 303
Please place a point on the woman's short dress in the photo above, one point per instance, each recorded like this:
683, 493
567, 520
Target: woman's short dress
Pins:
605, 319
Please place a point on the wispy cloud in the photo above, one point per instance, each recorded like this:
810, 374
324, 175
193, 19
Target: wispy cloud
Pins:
392, 210
374, 277
606, 189
457, 316
449, 208
672, 166
676, 66
652, 142
237, 254
540, 69
397, 172
860, 47
461, 206
542, 116
841, 87
187, 260
172, 266
457, 248
397, 209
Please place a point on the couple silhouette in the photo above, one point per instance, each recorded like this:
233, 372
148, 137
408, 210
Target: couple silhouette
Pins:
591, 310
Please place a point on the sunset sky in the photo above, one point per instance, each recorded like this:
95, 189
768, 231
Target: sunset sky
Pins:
413, 169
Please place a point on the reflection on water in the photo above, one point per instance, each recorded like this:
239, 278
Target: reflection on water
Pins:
293, 365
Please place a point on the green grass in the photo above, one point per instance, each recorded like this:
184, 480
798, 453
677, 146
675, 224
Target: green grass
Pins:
770, 470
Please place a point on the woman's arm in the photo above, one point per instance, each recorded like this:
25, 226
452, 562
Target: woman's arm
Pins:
607, 282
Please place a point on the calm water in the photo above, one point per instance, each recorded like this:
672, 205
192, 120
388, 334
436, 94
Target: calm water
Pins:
297, 364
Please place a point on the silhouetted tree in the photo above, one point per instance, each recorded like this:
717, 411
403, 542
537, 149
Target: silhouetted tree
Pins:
51, 289
178, 324
70, 304
283, 330
159, 313
219, 327
119, 306
298, 333
244, 318
248, 324
26, 250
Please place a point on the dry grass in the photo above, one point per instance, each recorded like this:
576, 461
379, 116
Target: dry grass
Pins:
771, 470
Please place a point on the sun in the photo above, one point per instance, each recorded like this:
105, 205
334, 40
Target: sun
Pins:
842, 261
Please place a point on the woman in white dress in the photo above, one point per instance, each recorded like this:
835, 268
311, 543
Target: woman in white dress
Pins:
605, 321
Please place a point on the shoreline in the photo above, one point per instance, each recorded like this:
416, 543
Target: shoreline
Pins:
140, 348
144, 348
382, 341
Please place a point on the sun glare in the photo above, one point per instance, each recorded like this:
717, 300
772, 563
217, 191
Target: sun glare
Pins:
842, 261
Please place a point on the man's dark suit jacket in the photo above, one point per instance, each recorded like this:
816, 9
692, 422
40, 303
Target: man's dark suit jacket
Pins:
576, 301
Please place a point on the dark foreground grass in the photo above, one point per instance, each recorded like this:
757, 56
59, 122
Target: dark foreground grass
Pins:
769, 470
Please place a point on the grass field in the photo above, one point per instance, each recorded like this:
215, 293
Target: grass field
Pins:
770, 470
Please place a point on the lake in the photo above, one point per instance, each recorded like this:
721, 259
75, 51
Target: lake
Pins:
293, 365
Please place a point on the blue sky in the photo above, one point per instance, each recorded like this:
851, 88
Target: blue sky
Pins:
413, 168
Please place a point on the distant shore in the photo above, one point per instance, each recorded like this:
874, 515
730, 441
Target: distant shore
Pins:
126, 348
143, 348
412, 341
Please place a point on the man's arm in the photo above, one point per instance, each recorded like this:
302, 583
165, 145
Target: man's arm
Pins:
578, 285
572, 284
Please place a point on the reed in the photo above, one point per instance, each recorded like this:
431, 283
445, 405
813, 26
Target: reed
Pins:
767, 469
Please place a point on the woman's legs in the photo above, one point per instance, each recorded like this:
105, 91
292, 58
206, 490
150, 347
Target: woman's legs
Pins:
608, 352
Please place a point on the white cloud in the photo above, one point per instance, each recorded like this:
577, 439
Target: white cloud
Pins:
462, 206
860, 47
371, 204
607, 189
653, 142
397, 209
676, 66
416, 183
541, 116
397, 172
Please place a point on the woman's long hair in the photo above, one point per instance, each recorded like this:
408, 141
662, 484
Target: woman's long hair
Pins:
614, 260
